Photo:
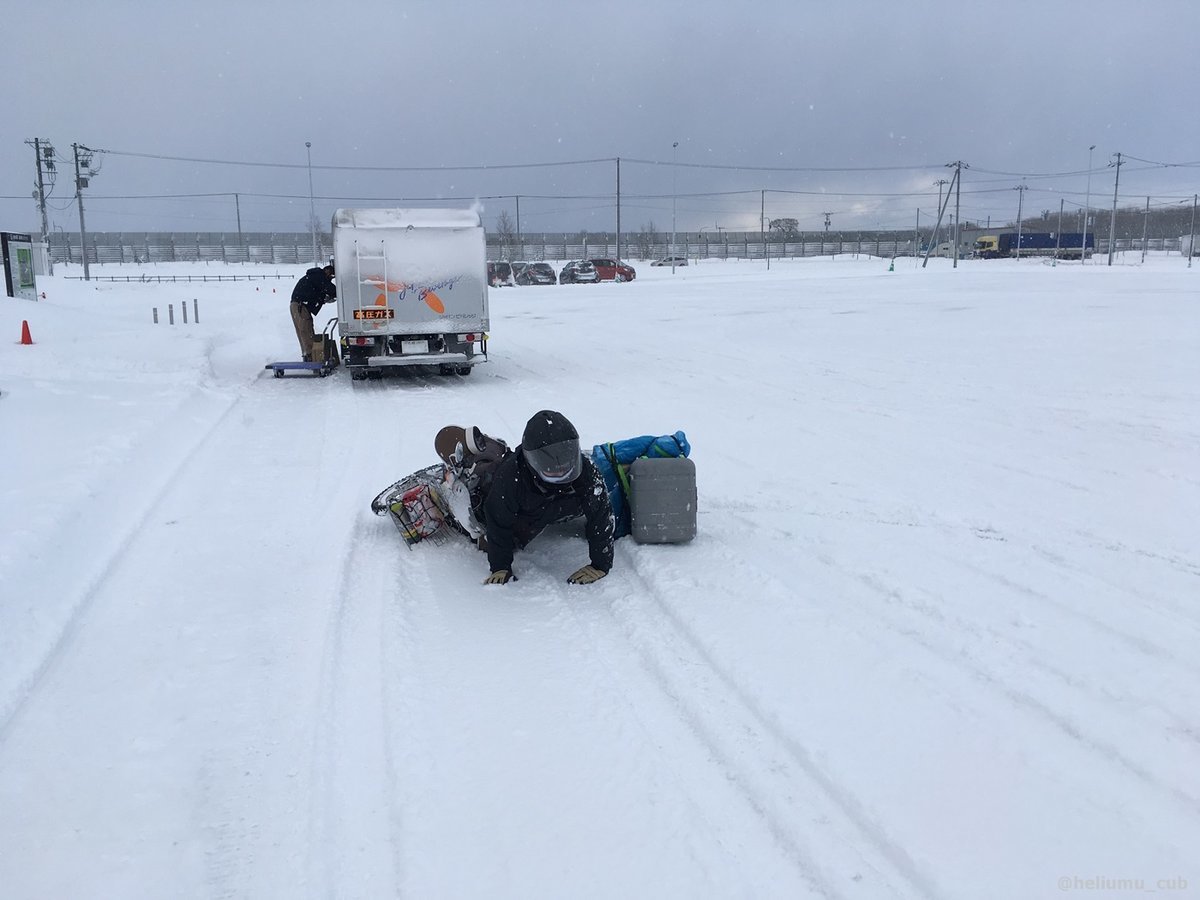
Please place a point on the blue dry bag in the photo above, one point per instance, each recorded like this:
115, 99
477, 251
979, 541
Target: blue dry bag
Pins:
613, 461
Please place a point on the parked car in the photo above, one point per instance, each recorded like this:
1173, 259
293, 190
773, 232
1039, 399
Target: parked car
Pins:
611, 270
581, 271
670, 261
499, 274
534, 273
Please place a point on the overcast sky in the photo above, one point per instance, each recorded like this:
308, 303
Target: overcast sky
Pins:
749, 90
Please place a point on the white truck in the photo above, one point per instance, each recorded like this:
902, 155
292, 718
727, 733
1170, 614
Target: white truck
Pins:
412, 289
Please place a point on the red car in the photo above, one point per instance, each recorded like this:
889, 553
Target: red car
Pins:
612, 270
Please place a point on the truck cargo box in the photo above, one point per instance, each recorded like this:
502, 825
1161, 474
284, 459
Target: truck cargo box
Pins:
412, 288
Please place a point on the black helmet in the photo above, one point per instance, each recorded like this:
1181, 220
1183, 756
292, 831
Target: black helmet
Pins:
550, 446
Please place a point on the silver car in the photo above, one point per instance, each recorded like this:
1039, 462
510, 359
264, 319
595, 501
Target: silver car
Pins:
581, 271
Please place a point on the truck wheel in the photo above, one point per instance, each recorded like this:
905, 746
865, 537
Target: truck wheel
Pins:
465, 370
357, 375
445, 369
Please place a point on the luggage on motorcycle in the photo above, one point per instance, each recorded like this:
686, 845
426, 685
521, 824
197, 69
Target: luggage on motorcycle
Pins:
417, 508
613, 460
662, 500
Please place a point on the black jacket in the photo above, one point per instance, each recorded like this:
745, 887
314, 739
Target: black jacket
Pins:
314, 290
519, 505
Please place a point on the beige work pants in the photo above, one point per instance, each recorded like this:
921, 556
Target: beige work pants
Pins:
303, 321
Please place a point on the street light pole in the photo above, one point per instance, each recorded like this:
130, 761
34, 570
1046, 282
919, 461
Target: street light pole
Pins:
312, 210
674, 194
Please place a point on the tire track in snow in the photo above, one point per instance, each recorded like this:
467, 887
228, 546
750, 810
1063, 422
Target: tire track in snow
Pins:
241, 849
937, 619
68, 591
352, 761
760, 759
1023, 699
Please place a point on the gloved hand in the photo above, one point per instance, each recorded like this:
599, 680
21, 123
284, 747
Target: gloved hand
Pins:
587, 575
504, 576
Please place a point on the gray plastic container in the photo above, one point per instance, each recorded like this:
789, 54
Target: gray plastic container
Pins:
662, 500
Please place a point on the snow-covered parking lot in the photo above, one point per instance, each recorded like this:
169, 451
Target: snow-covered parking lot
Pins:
937, 637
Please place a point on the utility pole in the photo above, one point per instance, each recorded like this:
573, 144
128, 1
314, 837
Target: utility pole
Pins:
938, 229
81, 181
957, 212
1112, 223
1058, 234
1145, 224
237, 208
1192, 239
43, 154
674, 194
1086, 207
917, 235
762, 224
1021, 189
958, 167
312, 209
520, 251
618, 209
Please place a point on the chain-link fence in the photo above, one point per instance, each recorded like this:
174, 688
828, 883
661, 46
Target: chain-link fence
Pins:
297, 248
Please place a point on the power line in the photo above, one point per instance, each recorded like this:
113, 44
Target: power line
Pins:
270, 165
654, 162
1165, 165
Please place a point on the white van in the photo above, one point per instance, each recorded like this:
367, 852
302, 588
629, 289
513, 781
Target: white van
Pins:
412, 289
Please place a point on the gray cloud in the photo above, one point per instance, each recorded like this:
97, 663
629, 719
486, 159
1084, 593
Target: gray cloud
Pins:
867, 85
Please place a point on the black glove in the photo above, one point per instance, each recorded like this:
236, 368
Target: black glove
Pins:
503, 576
587, 575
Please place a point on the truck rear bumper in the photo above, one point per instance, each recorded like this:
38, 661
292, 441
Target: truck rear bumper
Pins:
424, 359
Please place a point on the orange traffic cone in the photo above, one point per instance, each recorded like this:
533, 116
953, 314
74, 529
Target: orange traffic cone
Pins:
25, 336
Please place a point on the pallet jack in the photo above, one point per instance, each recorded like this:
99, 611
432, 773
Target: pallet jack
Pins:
324, 346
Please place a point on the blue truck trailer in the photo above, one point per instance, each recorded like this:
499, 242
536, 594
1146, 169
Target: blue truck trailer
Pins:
1067, 245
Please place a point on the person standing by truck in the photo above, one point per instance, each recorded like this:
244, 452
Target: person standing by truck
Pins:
314, 289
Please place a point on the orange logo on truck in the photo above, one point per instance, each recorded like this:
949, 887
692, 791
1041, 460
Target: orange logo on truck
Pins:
431, 299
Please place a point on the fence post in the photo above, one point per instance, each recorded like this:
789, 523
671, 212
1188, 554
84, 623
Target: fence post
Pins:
155, 315
171, 313
195, 310
183, 309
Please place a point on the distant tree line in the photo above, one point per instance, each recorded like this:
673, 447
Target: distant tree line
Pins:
1161, 222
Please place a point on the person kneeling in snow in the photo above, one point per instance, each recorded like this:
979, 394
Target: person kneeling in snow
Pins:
547, 480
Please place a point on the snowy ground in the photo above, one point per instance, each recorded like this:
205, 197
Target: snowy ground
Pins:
937, 636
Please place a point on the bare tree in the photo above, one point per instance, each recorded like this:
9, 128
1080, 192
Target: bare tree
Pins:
784, 229
647, 237
506, 230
